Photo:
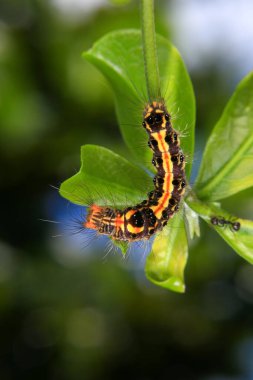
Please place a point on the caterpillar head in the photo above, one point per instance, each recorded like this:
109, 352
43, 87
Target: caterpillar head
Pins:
156, 117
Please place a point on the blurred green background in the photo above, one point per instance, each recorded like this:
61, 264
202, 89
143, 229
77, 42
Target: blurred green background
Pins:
66, 313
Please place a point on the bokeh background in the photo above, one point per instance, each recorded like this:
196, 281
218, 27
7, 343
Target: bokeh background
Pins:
66, 313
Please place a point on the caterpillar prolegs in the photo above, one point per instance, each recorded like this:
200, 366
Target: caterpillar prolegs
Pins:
152, 214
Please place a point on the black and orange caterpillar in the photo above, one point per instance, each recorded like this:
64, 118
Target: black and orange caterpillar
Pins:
151, 215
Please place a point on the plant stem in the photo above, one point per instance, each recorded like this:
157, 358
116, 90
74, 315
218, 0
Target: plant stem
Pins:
149, 49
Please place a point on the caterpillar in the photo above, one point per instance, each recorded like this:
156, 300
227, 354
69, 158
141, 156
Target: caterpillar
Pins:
152, 214
221, 222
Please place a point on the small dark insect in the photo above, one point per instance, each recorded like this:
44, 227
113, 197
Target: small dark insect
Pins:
221, 222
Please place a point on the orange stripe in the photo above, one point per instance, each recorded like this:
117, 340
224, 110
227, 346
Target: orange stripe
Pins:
161, 205
119, 220
166, 155
168, 172
134, 230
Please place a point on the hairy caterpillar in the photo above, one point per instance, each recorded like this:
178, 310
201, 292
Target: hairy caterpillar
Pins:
152, 214
221, 222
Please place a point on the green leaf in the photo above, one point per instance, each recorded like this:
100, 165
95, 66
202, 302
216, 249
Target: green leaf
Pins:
105, 178
241, 241
192, 220
122, 245
118, 55
227, 165
165, 264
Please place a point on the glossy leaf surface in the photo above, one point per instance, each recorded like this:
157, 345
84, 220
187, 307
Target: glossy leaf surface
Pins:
166, 263
105, 178
227, 165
